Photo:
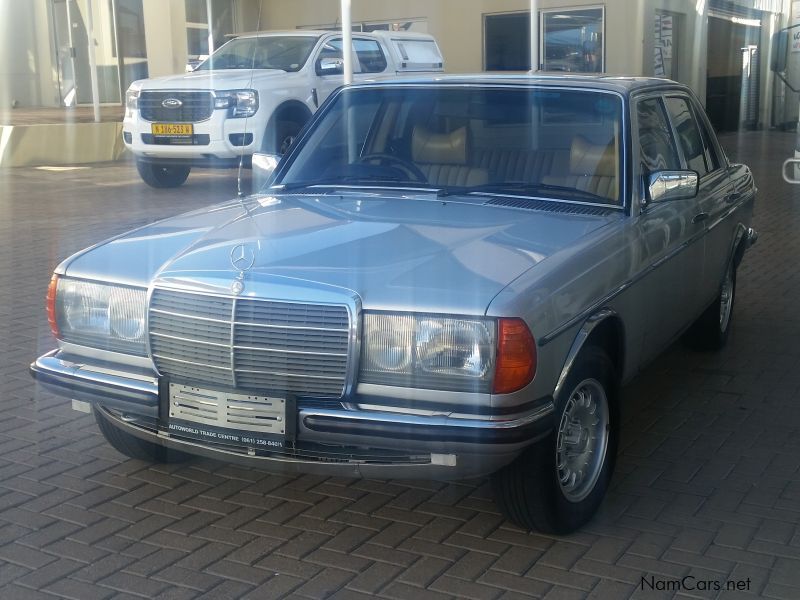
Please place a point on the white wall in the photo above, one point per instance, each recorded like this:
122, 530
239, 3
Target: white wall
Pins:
165, 35
458, 24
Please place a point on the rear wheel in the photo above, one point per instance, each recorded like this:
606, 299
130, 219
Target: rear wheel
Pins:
556, 485
711, 330
133, 447
162, 176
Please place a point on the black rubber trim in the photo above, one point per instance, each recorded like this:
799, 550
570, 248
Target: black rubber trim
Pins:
198, 139
204, 161
429, 433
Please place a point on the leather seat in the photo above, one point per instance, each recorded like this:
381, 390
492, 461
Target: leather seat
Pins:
510, 165
444, 158
592, 168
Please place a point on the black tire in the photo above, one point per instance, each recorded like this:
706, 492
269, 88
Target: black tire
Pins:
162, 176
285, 134
133, 447
710, 331
529, 491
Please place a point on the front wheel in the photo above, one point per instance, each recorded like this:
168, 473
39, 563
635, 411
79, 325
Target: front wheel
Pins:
162, 176
285, 134
133, 447
557, 485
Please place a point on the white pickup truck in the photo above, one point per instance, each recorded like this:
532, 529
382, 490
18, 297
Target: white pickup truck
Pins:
254, 94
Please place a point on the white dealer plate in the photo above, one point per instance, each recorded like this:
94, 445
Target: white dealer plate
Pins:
226, 417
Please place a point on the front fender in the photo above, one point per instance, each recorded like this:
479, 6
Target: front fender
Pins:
604, 316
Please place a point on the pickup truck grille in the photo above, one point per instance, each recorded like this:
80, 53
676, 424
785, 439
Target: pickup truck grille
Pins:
194, 106
258, 345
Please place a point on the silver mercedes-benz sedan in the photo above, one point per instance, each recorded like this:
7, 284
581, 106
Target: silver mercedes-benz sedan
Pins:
443, 278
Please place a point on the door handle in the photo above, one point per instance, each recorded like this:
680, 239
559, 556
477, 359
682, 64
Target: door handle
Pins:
700, 217
733, 197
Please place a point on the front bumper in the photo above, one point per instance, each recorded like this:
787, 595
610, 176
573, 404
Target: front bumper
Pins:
384, 444
213, 145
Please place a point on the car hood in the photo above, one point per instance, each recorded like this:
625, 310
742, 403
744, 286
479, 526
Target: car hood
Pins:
221, 79
392, 252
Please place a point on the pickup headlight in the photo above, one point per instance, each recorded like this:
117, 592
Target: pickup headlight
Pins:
428, 351
131, 102
102, 316
242, 103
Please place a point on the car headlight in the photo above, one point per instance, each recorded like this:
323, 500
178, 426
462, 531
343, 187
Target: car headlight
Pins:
131, 101
101, 316
242, 103
428, 351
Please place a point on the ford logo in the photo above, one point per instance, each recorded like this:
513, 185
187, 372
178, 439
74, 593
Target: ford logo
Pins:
172, 103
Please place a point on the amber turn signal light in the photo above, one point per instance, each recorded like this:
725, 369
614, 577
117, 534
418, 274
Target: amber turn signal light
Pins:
516, 356
51, 305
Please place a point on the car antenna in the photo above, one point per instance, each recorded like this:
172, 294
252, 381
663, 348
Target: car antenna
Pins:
239, 192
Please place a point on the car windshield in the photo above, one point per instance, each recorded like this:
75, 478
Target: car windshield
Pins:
547, 142
287, 53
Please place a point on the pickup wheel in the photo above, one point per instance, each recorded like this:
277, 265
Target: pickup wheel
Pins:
285, 134
133, 447
711, 330
557, 484
162, 176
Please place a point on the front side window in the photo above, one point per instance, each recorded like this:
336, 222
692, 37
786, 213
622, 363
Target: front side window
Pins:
562, 144
285, 53
572, 40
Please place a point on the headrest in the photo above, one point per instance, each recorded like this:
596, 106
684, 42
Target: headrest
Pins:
439, 148
586, 158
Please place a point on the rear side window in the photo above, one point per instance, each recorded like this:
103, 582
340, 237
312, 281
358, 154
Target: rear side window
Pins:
657, 148
696, 149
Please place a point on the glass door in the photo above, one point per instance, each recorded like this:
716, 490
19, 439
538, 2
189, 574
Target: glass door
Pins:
119, 46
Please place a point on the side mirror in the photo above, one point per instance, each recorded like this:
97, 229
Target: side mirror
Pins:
672, 185
780, 46
330, 66
264, 166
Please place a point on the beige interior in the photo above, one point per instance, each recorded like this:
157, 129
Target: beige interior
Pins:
592, 168
443, 158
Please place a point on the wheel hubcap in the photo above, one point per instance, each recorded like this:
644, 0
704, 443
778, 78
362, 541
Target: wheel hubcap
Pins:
582, 440
726, 300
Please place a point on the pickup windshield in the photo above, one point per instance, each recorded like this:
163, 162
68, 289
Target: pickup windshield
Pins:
287, 53
467, 139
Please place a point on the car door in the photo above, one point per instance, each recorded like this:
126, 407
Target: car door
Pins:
369, 60
716, 195
671, 233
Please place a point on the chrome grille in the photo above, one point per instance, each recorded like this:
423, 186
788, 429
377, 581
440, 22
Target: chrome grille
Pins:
196, 106
258, 345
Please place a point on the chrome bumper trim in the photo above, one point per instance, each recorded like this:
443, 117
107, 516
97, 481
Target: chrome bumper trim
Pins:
484, 441
94, 383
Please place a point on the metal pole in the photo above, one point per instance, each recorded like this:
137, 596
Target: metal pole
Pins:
347, 41
210, 27
534, 35
93, 62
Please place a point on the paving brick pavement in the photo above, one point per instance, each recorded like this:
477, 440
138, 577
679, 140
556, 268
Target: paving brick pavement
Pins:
707, 483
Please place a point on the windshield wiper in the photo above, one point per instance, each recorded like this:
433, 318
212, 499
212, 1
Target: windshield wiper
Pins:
522, 187
375, 181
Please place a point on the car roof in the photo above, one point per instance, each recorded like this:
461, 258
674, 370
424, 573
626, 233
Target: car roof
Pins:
410, 35
620, 84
